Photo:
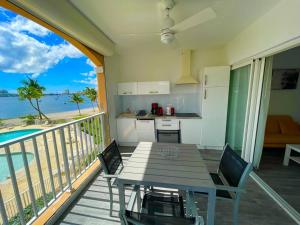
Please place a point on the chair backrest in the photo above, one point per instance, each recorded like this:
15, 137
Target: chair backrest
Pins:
135, 218
233, 167
110, 158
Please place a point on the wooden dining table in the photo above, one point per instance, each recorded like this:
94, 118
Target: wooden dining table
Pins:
168, 165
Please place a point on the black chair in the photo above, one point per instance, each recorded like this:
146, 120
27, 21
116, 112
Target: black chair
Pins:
111, 160
134, 218
161, 209
163, 204
231, 177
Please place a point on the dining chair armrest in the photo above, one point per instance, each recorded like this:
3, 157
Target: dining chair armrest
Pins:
199, 219
229, 188
132, 198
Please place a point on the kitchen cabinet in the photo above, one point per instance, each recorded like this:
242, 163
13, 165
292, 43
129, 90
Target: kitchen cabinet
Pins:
217, 76
145, 130
126, 130
129, 88
153, 88
214, 107
190, 130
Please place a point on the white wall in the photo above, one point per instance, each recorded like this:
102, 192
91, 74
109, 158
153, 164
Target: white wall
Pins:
112, 72
278, 25
165, 64
286, 102
154, 65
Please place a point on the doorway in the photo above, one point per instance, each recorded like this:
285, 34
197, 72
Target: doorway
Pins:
279, 125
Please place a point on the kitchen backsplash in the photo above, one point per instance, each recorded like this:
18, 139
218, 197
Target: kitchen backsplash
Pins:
185, 99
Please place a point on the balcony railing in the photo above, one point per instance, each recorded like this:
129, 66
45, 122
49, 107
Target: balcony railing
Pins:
61, 155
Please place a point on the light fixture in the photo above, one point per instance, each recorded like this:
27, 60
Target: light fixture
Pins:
166, 36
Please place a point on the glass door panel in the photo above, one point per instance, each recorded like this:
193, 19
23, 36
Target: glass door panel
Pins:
237, 105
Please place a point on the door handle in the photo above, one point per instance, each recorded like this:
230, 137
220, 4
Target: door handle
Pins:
205, 79
205, 94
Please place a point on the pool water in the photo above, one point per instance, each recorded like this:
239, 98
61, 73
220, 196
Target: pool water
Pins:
17, 162
6, 136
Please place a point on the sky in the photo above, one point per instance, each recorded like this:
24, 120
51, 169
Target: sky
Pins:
30, 50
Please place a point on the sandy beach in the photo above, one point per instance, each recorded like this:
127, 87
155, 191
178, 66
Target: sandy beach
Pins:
68, 115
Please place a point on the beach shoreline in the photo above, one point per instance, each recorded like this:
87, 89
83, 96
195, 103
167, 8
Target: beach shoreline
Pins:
66, 115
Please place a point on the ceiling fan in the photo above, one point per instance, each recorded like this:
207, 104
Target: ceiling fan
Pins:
169, 28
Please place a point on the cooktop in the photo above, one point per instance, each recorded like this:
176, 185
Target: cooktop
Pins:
186, 115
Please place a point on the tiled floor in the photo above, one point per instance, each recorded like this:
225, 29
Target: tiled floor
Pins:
257, 208
285, 180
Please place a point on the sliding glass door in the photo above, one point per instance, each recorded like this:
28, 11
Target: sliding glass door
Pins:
237, 106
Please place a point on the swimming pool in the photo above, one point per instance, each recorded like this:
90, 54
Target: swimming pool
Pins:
17, 161
6, 136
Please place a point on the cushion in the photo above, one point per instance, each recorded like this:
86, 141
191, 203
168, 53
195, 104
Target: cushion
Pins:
289, 127
272, 126
282, 139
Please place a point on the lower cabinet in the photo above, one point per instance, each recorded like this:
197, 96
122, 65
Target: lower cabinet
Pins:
126, 130
190, 131
145, 130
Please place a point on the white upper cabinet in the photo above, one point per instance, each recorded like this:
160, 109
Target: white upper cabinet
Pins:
217, 76
129, 88
154, 88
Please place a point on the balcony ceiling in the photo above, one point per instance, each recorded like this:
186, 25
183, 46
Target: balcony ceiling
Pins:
118, 19
136, 23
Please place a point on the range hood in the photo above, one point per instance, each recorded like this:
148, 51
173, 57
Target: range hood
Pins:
186, 77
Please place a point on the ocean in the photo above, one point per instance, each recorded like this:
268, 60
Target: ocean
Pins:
12, 107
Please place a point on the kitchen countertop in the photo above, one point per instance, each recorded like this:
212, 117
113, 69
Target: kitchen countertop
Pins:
150, 116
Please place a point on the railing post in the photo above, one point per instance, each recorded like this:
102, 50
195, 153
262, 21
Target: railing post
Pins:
81, 144
86, 143
71, 151
57, 161
77, 147
102, 131
28, 177
39, 169
65, 157
3, 211
14, 184
49, 165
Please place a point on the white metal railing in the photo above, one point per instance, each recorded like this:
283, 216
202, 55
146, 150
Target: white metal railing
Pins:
61, 155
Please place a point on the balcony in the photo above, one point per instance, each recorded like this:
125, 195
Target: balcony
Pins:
48, 166
65, 168
92, 207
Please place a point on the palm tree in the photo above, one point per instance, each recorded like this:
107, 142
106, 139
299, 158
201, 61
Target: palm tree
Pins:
30, 91
76, 98
91, 94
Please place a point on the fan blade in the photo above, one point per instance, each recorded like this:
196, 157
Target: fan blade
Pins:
139, 34
195, 20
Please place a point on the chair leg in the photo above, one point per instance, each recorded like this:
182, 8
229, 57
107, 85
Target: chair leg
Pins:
110, 197
236, 206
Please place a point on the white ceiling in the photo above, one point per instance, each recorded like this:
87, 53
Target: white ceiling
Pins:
132, 23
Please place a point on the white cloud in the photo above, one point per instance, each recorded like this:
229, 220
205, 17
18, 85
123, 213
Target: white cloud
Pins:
88, 80
90, 63
90, 76
21, 53
20, 24
91, 73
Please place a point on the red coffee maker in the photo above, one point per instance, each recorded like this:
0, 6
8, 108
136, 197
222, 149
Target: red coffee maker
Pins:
154, 108
160, 111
